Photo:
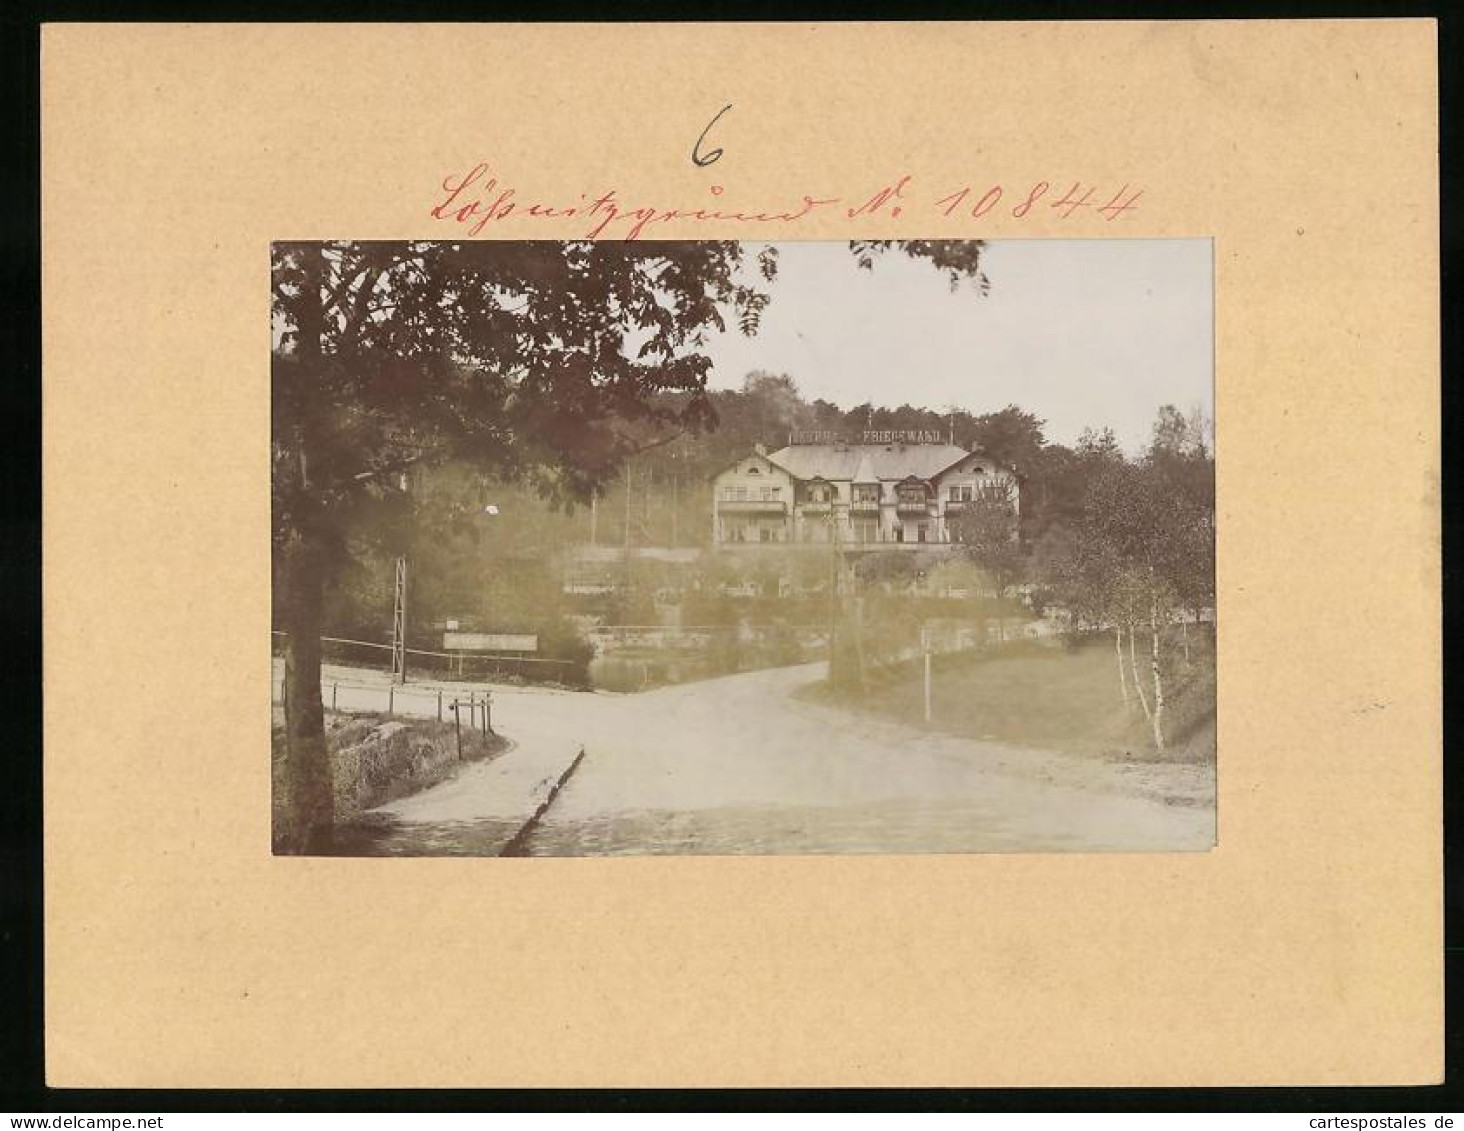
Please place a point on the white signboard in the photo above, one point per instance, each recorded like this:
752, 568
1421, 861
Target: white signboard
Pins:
489, 642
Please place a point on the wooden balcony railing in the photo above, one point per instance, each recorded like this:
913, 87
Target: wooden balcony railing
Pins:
753, 506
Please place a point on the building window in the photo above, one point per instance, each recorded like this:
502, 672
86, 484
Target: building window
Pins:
765, 534
899, 532
920, 532
866, 494
753, 471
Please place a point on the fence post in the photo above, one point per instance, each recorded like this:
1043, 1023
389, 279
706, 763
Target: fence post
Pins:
439, 704
487, 720
927, 683
390, 697
333, 688
457, 726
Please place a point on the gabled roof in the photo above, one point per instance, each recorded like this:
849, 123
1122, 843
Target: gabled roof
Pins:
867, 463
959, 459
750, 455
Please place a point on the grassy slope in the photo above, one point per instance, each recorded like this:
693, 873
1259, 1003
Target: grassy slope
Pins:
1052, 697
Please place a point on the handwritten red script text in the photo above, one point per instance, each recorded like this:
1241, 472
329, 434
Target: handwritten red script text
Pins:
479, 197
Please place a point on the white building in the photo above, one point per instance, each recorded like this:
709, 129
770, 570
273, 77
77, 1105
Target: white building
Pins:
888, 490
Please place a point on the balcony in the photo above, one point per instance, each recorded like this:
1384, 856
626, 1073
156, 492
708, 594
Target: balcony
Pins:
956, 506
864, 506
913, 506
752, 506
815, 506
883, 545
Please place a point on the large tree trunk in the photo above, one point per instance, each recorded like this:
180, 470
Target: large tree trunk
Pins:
1158, 682
1134, 671
1122, 682
310, 801
301, 562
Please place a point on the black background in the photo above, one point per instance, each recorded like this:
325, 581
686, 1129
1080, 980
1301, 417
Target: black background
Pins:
22, 1086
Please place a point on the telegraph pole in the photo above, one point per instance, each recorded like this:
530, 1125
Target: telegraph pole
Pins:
925, 647
399, 625
833, 586
627, 528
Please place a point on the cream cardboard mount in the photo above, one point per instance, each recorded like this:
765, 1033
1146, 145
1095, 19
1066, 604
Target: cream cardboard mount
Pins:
1304, 949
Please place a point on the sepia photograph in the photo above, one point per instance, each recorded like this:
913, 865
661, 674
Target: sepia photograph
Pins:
587, 548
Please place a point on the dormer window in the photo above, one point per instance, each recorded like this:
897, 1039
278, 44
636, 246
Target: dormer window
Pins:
753, 471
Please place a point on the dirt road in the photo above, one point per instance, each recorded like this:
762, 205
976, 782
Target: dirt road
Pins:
737, 766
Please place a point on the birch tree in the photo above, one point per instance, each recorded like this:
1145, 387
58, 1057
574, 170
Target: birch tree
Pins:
1162, 538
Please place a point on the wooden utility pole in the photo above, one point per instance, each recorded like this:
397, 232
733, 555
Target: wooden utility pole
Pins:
627, 527
833, 587
399, 625
925, 641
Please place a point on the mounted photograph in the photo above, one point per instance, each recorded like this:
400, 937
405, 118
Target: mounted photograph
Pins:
587, 548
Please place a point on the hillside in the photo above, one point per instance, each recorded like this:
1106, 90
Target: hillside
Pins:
1058, 698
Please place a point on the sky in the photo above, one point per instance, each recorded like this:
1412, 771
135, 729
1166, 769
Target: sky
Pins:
1083, 333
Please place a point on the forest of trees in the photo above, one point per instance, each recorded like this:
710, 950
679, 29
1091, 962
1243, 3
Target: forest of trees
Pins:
1138, 558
